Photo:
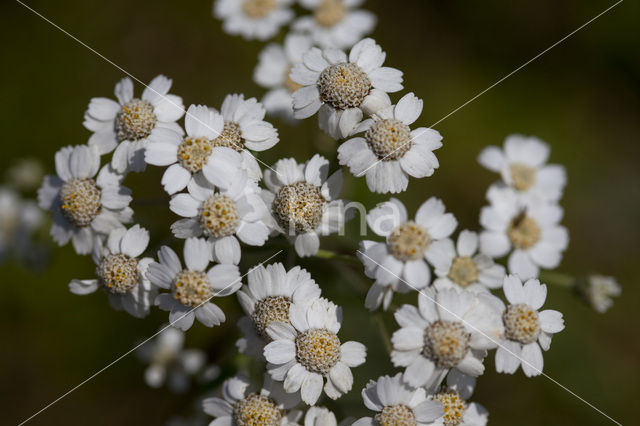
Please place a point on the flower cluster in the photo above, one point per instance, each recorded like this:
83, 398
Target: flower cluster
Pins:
227, 206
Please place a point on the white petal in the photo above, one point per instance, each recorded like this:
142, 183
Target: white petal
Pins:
196, 254
532, 361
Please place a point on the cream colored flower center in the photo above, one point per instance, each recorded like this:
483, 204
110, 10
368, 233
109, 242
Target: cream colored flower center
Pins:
396, 415
135, 120
523, 231
523, 177
299, 207
521, 323
191, 288
231, 137
463, 271
193, 153
269, 309
257, 410
219, 216
343, 86
289, 84
408, 241
81, 201
257, 9
118, 273
330, 12
389, 139
454, 407
318, 350
446, 343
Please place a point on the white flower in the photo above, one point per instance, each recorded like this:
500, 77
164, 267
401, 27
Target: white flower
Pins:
239, 407
599, 291
192, 288
269, 294
526, 329
458, 411
459, 266
169, 362
390, 151
399, 263
186, 156
335, 23
253, 19
127, 125
272, 72
523, 167
308, 350
19, 218
532, 230
321, 416
303, 201
449, 332
83, 209
343, 88
233, 211
120, 272
396, 403
25, 174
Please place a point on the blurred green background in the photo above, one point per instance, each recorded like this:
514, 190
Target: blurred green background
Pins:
583, 97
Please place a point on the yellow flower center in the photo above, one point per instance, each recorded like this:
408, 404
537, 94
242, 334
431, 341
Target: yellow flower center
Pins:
191, 288
523, 177
118, 273
521, 323
330, 12
318, 350
81, 201
523, 231
463, 271
135, 120
257, 410
219, 216
343, 86
396, 415
408, 241
454, 407
257, 9
269, 309
446, 343
299, 207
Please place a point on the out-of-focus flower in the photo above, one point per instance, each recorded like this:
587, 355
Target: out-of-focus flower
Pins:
18, 220
341, 88
253, 19
169, 362
84, 209
600, 290
25, 174
128, 124
526, 329
458, 411
120, 273
335, 23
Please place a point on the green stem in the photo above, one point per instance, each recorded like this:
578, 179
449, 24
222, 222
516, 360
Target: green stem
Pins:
327, 254
557, 279
384, 333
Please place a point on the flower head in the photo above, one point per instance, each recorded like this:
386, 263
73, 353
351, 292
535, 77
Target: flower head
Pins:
526, 328
308, 350
192, 288
390, 150
253, 19
121, 273
342, 87
128, 124
599, 291
303, 201
84, 209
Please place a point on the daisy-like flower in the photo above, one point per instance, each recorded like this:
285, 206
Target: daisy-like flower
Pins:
272, 72
459, 266
253, 19
193, 287
342, 87
186, 156
399, 264
526, 328
245, 129
268, 296
305, 352
335, 23
169, 362
233, 211
522, 165
397, 403
321, 416
449, 332
239, 407
303, 201
532, 230
390, 151
83, 209
599, 291
127, 125
121, 272
458, 411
